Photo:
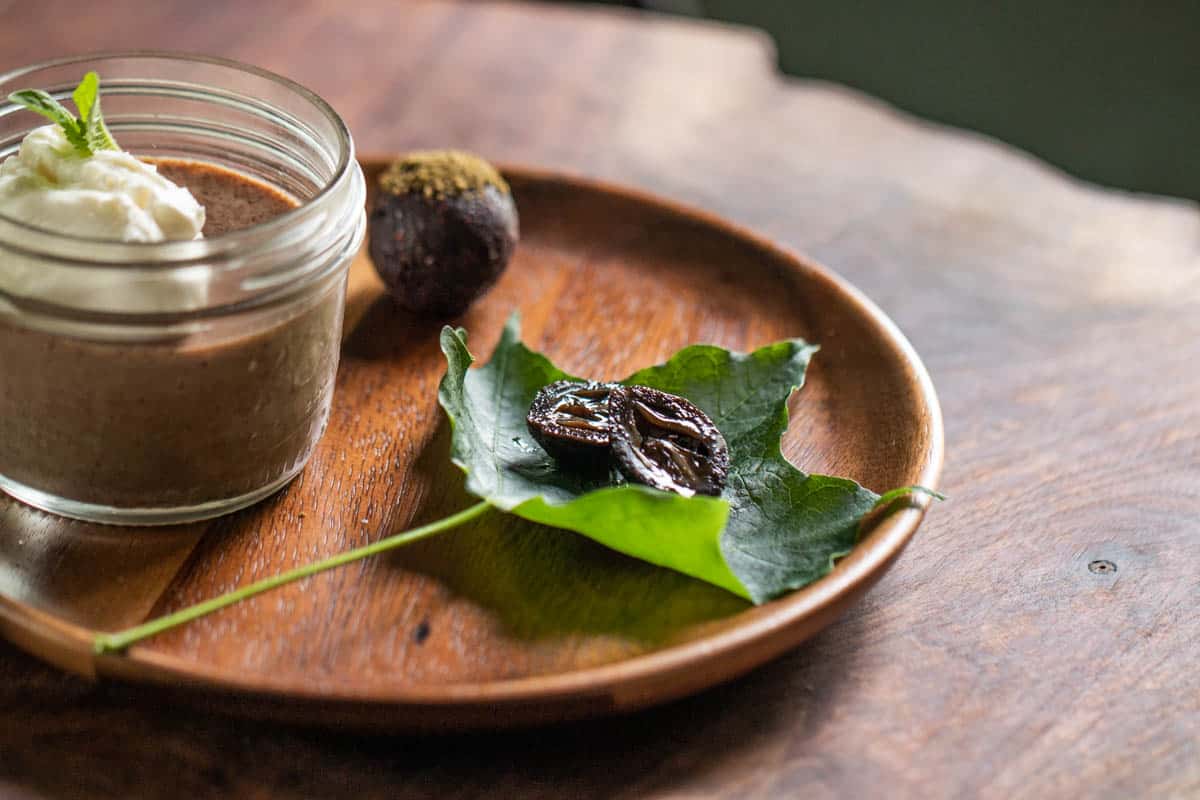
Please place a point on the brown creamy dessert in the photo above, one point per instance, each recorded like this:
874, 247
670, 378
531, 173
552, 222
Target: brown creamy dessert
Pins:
175, 422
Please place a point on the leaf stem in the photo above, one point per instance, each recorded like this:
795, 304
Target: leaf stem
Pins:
905, 491
117, 642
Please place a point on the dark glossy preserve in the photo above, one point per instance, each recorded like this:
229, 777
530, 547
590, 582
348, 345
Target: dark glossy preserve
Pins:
569, 419
667, 442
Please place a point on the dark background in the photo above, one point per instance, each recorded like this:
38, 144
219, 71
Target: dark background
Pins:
1107, 90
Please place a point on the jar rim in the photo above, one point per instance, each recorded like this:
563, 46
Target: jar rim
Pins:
173, 254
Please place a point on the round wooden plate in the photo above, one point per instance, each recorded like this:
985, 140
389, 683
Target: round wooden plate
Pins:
500, 622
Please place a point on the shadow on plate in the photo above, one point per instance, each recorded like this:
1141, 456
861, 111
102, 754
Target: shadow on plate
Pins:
98, 576
543, 581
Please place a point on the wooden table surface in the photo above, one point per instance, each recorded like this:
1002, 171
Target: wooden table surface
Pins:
1038, 638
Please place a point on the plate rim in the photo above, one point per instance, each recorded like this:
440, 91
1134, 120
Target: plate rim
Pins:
623, 683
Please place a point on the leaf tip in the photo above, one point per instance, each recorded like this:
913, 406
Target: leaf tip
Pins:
512, 327
453, 338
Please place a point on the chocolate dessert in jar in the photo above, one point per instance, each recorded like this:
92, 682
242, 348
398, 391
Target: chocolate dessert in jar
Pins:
158, 365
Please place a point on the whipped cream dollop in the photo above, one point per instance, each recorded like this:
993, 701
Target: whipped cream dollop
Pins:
108, 195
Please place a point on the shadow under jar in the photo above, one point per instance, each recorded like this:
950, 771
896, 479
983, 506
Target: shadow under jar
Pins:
167, 382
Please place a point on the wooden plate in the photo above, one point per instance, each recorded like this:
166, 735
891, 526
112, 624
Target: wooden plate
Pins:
498, 623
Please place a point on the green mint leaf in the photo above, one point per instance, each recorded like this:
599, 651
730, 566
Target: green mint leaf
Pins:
87, 99
85, 95
785, 528
87, 134
42, 103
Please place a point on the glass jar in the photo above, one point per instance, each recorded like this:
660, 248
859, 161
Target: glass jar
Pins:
167, 382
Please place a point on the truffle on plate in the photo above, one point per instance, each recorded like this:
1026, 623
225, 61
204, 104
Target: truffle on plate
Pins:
443, 228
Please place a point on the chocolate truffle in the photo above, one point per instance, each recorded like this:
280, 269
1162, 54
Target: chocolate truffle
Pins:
443, 228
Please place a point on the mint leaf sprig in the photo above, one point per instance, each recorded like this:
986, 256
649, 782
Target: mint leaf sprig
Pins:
87, 133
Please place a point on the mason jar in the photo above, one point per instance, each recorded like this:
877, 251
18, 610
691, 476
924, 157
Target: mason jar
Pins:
157, 383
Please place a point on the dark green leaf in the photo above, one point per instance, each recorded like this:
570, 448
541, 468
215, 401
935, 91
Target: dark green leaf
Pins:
784, 529
487, 409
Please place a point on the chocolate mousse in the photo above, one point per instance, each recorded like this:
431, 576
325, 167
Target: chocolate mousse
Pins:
229, 409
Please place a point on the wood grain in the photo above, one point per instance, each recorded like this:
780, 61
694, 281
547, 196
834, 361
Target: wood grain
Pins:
502, 622
1059, 323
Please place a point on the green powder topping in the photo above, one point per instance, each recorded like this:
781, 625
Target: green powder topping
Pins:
441, 174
